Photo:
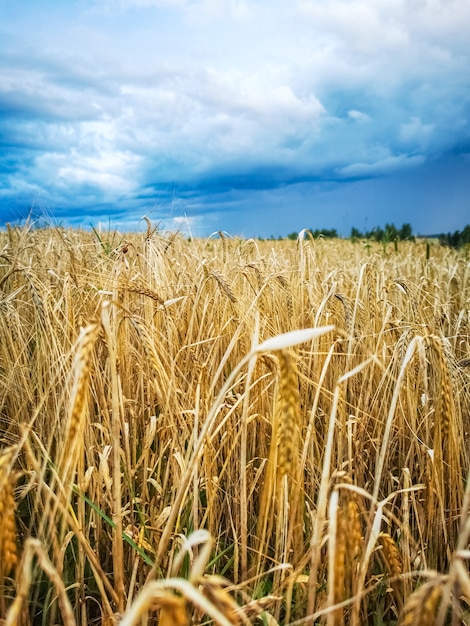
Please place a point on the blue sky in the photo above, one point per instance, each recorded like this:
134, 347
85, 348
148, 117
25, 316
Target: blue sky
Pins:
256, 117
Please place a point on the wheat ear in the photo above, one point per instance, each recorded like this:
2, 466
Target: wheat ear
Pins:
75, 423
392, 556
340, 560
8, 552
445, 405
394, 565
420, 608
287, 415
354, 535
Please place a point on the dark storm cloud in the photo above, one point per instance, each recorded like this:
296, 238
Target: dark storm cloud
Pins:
120, 108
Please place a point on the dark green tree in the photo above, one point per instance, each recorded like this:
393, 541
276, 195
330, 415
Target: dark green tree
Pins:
406, 232
456, 239
390, 233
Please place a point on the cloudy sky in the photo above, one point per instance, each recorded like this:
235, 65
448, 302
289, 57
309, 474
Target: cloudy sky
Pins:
256, 117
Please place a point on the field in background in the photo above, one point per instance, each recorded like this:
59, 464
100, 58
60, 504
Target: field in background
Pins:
158, 458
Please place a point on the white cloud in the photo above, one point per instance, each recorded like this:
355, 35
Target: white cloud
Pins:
384, 166
416, 133
363, 27
190, 226
358, 116
112, 171
163, 91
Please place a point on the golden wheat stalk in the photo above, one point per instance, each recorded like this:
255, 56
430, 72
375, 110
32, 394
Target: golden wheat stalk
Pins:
391, 554
33, 548
394, 565
287, 416
8, 550
73, 443
354, 537
224, 286
444, 408
137, 285
159, 594
421, 607
289, 491
223, 238
148, 343
447, 451
75, 423
340, 557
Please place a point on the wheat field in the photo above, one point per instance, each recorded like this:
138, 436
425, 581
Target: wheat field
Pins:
229, 431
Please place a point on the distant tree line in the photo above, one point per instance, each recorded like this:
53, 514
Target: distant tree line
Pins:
457, 239
389, 233
327, 233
